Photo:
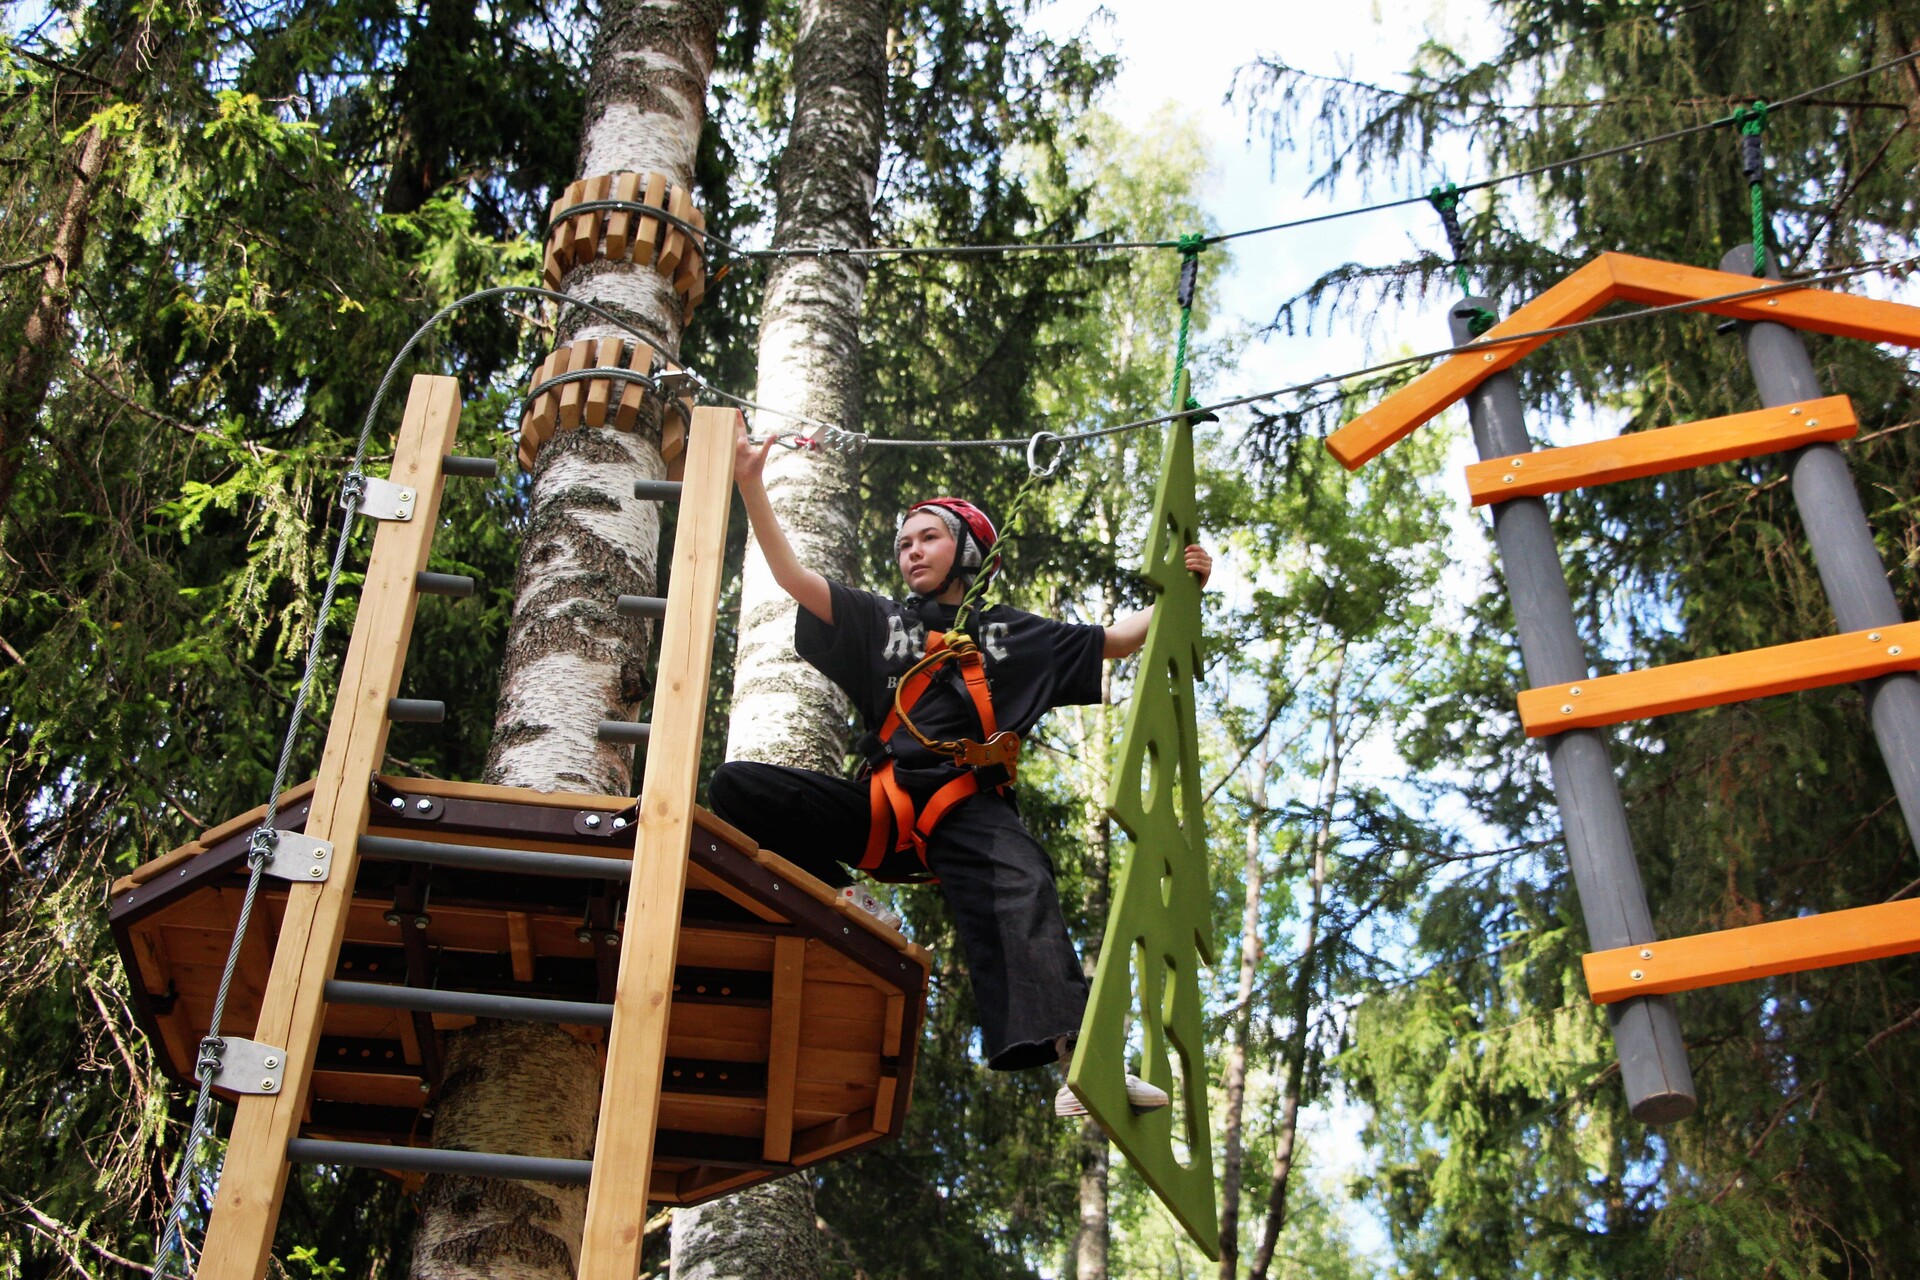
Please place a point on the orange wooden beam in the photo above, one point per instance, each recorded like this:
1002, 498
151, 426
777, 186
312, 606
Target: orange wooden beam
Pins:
1420, 401
1757, 951
1648, 453
1608, 278
1710, 682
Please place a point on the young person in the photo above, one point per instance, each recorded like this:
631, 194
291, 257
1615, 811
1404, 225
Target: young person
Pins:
917, 812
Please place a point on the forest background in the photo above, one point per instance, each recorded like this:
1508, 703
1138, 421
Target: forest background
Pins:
220, 222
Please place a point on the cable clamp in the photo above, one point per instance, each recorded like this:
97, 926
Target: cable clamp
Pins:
385, 500
243, 1066
1034, 465
290, 855
840, 440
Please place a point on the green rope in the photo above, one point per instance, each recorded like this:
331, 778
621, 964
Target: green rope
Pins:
1752, 124
1190, 247
1016, 509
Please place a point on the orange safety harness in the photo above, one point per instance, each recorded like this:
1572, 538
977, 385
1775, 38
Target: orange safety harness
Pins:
991, 764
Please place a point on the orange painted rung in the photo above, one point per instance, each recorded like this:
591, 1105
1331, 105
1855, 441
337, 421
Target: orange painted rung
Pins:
1650, 453
1710, 682
1608, 278
1757, 951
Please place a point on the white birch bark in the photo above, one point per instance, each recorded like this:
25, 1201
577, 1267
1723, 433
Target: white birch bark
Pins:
785, 712
572, 661
1232, 1123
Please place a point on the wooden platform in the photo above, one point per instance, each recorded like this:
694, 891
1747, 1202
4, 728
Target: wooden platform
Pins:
795, 1018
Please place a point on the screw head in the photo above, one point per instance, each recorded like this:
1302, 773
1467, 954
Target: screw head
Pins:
1646, 953
1574, 692
421, 922
1773, 302
1893, 651
593, 819
1566, 708
1813, 422
1488, 357
398, 803
316, 872
392, 917
1794, 412
619, 824
1873, 637
1518, 462
425, 1087
423, 804
611, 939
583, 935
270, 1062
1506, 479
269, 1084
1637, 975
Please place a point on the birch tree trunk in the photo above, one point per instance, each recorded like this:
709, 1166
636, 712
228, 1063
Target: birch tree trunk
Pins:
785, 712
572, 661
1286, 1139
1232, 1146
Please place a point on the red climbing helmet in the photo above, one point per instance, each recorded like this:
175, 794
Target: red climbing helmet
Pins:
971, 530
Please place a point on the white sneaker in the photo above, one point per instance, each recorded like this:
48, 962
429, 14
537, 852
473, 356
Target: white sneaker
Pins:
1141, 1095
864, 900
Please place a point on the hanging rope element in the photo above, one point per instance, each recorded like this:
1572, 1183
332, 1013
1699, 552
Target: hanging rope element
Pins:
1446, 202
1752, 124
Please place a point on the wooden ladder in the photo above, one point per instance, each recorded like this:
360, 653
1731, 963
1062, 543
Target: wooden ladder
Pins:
265, 1139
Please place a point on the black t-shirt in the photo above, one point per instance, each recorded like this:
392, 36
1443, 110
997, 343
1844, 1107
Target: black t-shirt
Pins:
1033, 664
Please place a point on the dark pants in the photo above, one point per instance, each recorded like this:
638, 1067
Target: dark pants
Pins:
997, 879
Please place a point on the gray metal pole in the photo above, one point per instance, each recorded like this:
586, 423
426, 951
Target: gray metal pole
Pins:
483, 1164
1593, 818
1836, 525
479, 1004
472, 857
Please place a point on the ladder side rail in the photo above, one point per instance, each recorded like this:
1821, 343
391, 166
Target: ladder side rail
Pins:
253, 1180
1851, 572
1593, 818
637, 1043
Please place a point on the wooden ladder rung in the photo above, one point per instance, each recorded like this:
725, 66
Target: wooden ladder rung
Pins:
1756, 951
1650, 453
1710, 682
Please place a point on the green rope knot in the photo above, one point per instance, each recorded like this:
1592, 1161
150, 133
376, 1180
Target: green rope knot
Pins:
1446, 202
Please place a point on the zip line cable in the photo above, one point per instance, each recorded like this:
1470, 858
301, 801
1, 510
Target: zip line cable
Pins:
708, 239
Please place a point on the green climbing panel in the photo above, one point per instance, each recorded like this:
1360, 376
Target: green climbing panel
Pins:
1157, 932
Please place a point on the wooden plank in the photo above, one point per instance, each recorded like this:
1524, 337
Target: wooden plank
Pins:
673, 245
559, 255
509, 795
586, 226
783, 1045
647, 238
692, 279
520, 942
536, 425
1393, 419
636, 1046
254, 1179
1648, 453
688, 268
632, 394
1844, 315
600, 390
1757, 951
626, 186
700, 878
1709, 682
573, 396
829, 1139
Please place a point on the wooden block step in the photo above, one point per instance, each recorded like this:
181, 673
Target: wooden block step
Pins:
1649, 453
596, 402
1711, 682
620, 235
1757, 951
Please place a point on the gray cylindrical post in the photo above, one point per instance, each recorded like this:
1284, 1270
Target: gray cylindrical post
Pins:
416, 710
625, 733
1593, 818
1850, 569
458, 586
641, 606
479, 468
657, 490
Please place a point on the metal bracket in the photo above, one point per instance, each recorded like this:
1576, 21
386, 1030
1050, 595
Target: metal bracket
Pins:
385, 500
299, 857
247, 1066
598, 822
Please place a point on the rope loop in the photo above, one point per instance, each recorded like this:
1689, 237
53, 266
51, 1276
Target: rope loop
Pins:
1034, 466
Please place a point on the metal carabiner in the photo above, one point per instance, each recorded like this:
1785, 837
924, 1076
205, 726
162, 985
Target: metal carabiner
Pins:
1033, 454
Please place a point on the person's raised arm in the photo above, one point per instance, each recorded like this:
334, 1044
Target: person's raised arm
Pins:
798, 581
1127, 634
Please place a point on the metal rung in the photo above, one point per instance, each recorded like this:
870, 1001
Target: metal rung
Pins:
416, 710
641, 606
657, 490
570, 866
457, 585
479, 468
575, 1013
481, 1164
625, 732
